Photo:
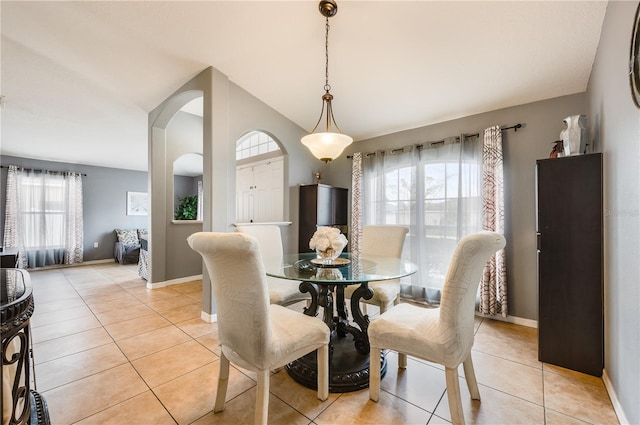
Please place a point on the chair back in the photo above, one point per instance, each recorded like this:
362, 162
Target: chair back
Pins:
241, 294
270, 242
457, 305
383, 241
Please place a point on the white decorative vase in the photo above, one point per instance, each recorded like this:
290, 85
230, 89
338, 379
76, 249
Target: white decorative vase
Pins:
574, 137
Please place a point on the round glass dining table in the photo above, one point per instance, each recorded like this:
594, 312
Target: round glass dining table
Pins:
349, 345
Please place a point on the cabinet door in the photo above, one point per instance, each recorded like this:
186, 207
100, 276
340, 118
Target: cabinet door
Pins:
324, 204
320, 205
339, 205
570, 311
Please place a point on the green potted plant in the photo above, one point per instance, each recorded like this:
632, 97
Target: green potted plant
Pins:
187, 209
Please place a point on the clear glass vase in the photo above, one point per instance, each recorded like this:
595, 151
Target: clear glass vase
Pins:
328, 256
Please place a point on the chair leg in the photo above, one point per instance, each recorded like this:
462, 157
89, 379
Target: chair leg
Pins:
470, 375
262, 398
323, 372
374, 373
402, 360
223, 380
453, 395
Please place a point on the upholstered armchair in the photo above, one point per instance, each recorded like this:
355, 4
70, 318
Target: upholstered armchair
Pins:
382, 241
441, 335
253, 333
281, 291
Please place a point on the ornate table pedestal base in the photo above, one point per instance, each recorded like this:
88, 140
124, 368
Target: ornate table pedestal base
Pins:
349, 345
348, 369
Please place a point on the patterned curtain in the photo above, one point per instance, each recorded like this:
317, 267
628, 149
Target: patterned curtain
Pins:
356, 204
12, 233
493, 287
43, 217
74, 234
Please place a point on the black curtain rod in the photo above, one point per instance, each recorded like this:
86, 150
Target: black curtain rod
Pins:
515, 128
42, 171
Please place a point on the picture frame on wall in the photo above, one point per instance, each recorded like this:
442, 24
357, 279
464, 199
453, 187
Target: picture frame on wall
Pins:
137, 203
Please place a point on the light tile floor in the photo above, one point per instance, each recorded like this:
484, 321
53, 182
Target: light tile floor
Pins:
109, 351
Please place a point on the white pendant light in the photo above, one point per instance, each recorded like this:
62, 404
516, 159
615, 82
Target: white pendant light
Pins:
329, 144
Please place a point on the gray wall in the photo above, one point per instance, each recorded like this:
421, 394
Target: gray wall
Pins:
615, 126
229, 112
247, 114
542, 123
184, 186
104, 201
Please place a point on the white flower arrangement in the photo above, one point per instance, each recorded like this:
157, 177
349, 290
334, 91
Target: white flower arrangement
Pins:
328, 241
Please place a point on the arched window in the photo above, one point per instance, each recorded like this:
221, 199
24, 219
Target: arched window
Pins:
255, 143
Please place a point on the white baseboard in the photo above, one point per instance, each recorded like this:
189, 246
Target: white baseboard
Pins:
530, 323
209, 318
66, 266
156, 285
88, 263
617, 407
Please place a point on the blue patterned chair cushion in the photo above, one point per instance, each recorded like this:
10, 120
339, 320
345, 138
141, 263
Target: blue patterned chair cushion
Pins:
127, 237
143, 234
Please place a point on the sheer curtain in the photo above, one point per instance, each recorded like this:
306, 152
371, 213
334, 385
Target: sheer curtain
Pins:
434, 190
43, 217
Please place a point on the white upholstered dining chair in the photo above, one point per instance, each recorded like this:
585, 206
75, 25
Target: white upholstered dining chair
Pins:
253, 333
281, 291
382, 241
441, 335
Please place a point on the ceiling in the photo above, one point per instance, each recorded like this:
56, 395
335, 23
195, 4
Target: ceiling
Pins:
79, 78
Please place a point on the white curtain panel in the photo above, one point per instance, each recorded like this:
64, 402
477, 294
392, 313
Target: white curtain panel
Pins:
435, 191
493, 287
43, 217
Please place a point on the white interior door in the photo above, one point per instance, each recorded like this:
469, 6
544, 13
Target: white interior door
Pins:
260, 191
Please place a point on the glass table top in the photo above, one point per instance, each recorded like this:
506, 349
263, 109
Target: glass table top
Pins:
347, 269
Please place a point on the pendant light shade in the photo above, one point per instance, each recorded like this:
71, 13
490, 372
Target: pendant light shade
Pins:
326, 146
329, 144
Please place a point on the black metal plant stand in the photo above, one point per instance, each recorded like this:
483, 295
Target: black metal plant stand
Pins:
27, 406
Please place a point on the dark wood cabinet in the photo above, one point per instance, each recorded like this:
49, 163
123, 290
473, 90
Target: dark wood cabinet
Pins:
9, 258
320, 205
570, 262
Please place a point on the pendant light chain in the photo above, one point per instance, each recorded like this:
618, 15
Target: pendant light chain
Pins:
327, 87
327, 145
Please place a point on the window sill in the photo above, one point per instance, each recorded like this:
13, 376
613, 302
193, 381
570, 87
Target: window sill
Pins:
264, 223
186, 221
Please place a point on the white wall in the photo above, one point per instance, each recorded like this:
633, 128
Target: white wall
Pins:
616, 128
